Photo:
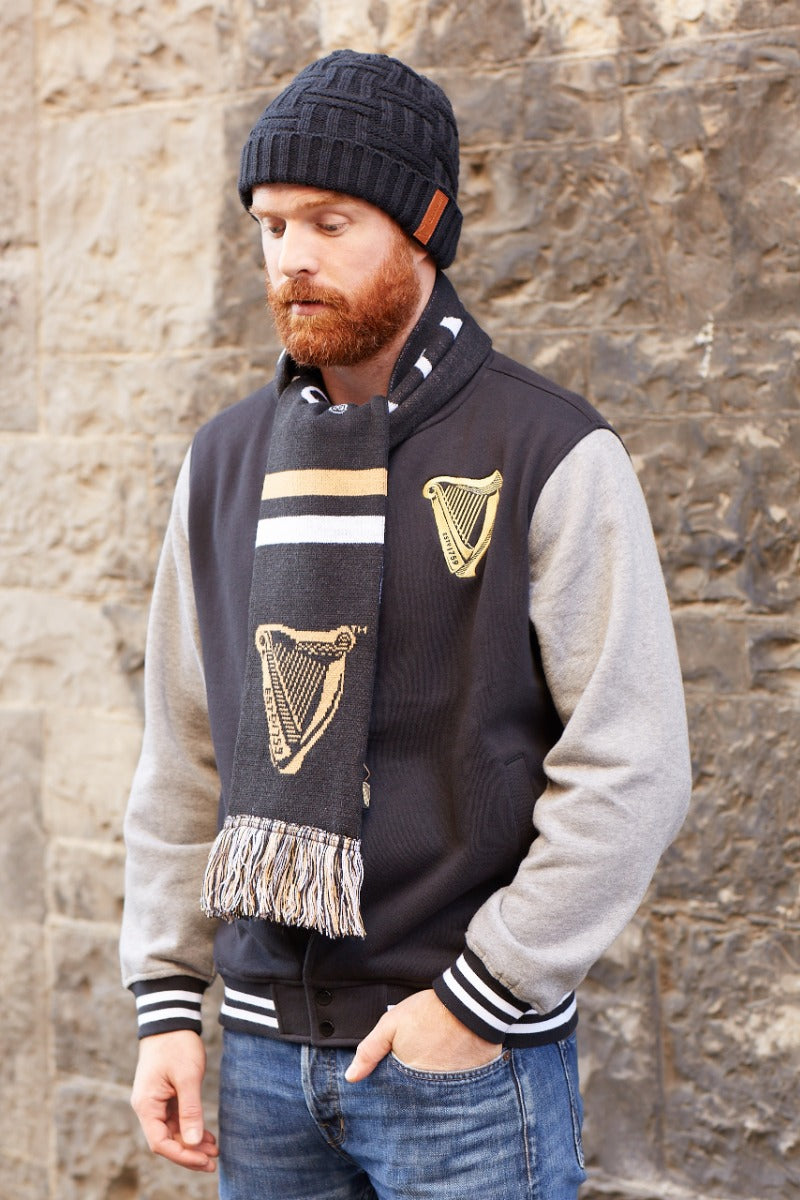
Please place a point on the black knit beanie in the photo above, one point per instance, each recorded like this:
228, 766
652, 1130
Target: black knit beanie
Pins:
368, 126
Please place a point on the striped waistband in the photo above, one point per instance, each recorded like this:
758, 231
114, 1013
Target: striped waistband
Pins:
342, 1014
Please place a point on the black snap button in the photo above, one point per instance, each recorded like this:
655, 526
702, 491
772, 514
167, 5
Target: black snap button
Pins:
324, 997
327, 1028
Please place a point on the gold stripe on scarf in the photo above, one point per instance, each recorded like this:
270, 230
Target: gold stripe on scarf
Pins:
280, 484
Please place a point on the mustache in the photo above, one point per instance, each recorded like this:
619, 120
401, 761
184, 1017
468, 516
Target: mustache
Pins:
297, 291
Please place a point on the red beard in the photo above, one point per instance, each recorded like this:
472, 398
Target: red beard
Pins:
348, 330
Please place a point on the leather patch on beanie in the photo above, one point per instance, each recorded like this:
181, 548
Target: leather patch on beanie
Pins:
427, 226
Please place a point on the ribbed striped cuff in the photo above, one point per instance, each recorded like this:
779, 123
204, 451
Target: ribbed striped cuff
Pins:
490, 1010
163, 1005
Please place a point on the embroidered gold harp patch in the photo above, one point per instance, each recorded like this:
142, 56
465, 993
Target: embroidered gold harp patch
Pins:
303, 679
464, 510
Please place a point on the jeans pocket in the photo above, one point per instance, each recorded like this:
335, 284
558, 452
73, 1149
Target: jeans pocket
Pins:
471, 1075
568, 1050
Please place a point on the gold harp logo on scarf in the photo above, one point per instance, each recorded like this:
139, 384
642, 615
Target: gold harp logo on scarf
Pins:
464, 511
303, 681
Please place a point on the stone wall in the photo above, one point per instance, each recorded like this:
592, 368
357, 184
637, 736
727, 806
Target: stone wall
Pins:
630, 185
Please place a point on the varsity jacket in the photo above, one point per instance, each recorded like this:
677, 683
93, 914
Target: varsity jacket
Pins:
528, 757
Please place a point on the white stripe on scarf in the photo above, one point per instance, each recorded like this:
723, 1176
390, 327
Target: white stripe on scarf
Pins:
278, 531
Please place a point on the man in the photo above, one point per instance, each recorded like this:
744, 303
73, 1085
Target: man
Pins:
410, 631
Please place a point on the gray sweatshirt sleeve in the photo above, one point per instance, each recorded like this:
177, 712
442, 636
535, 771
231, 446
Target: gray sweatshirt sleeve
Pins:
166, 946
618, 779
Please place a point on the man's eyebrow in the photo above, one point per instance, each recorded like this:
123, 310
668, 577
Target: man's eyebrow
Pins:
321, 200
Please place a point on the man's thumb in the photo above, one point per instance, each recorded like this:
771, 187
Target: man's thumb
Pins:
369, 1052
190, 1117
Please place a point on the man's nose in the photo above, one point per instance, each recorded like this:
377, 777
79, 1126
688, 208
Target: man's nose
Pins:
297, 255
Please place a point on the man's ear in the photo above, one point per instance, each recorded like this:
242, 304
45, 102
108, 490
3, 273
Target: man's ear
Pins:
425, 264
421, 253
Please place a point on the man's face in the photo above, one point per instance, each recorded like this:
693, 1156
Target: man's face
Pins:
342, 278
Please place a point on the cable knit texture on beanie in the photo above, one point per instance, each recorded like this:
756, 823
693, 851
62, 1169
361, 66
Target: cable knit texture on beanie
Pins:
368, 126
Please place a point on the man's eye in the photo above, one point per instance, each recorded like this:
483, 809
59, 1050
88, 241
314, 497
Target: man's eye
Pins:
272, 228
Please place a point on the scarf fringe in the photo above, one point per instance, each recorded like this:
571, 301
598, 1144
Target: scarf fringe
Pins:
293, 874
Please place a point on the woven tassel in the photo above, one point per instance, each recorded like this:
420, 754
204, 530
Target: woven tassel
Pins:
292, 874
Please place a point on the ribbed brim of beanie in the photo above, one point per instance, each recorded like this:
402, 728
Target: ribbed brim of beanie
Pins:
368, 126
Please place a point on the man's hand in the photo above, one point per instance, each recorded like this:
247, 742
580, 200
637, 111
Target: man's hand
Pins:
424, 1035
166, 1099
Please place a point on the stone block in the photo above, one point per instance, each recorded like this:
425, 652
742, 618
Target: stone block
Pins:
93, 1017
241, 317
440, 34
573, 27
113, 53
618, 1037
276, 41
22, 835
655, 1187
712, 165
714, 368
343, 25
647, 372
78, 523
488, 107
739, 850
379, 26
134, 198
24, 1099
682, 64
17, 126
90, 761
751, 138
85, 880
765, 14
775, 660
100, 1150
690, 228
723, 498
101, 1153
147, 397
571, 100
731, 1056
25, 1179
58, 652
644, 24
556, 237
18, 302
703, 24
129, 623
562, 357
712, 646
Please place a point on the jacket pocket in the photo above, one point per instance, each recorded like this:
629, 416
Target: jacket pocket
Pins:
518, 784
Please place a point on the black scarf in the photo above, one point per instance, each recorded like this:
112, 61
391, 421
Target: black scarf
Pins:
289, 850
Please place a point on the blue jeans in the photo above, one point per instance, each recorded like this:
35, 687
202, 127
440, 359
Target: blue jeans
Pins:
292, 1128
